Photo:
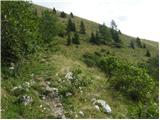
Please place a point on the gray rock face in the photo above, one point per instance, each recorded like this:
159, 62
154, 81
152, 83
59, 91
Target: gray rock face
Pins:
102, 104
26, 99
68, 94
53, 99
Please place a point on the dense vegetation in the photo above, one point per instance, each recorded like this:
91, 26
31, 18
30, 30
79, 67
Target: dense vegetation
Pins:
44, 48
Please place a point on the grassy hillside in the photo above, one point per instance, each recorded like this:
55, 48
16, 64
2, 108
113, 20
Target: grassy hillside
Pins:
39, 87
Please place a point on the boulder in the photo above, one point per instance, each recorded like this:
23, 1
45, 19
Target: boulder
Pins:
69, 76
103, 104
26, 99
81, 113
97, 107
68, 94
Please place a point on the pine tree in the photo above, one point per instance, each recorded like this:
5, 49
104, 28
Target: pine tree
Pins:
71, 14
71, 26
75, 39
69, 40
82, 28
138, 41
144, 46
132, 45
115, 34
148, 54
97, 37
92, 38
63, 15
54, 10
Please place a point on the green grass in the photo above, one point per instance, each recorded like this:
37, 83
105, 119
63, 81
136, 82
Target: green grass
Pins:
62, 58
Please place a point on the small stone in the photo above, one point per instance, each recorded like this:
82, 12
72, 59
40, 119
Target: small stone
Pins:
69, 76
81, 113
40, 106
68, 94
76, 116
26, 99
97, 107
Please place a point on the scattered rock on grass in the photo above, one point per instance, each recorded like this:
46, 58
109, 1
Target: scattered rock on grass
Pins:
26, 99
102, 104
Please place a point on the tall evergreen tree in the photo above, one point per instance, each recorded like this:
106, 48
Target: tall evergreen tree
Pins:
71, 26
63, 15
148, 54
115, 34
71, 14
82, 28
92, 38
138, 41
69, 40
48, 26
75, 38
132, 44
54, 10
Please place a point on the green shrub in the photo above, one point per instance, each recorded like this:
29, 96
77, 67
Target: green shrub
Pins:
19, 30
48, 26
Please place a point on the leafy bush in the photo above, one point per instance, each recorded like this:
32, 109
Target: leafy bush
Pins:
133, 82
90, 59
19, 30
48, 26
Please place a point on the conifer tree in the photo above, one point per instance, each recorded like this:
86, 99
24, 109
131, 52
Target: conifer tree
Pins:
63, 15
114, 32
71, 26
132, 45
138, 41
148, 54
54, 10
82, 28
92, 38
69, 40
75, 39
71, 14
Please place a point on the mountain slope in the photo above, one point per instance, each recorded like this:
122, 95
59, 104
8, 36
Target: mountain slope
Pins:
58, 83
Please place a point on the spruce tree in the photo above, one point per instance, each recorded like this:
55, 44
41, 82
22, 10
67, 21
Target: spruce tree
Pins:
92, 38
82, 28
75, 39
132, 45
63, 15
69, 40
138, 41
71, 14
71, 26
54, 10
148, 54
115, 34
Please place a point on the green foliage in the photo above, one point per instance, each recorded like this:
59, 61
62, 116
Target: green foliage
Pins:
82, 28
63, 15
93, 39
109, 65
148, 54
90, 59
144, 45
133, 82
105, 35
71, 26
71, 14
147, 111
48, 26
54, 11
75, 39
19, 30
138, 41
115, 34
132, 44
69, 40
